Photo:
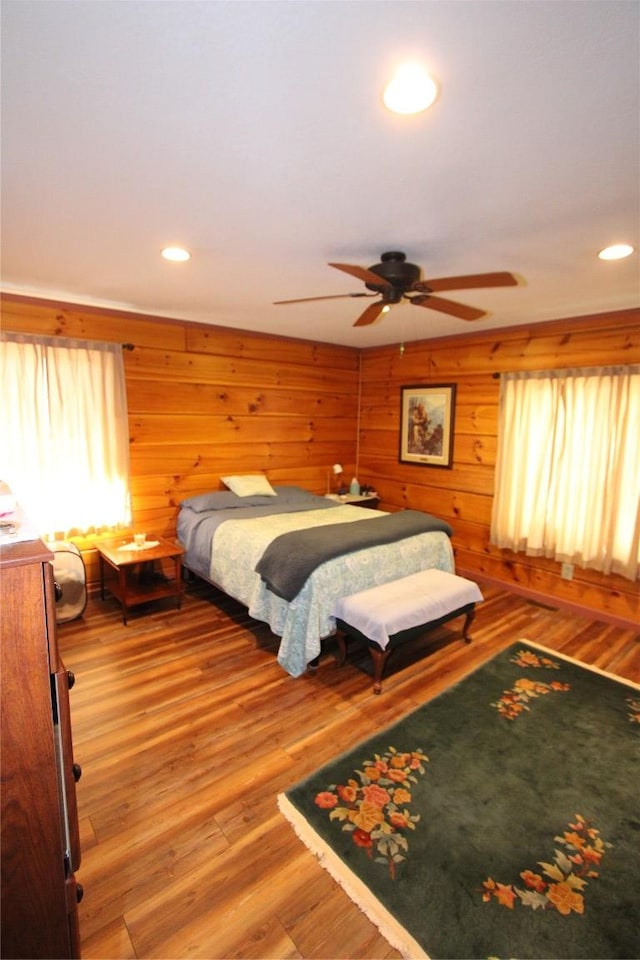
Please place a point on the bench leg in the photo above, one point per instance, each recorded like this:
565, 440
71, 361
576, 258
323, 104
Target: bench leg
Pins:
468, 620
379, 658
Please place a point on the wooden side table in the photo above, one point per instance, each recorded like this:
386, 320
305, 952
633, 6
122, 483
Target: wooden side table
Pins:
133, 579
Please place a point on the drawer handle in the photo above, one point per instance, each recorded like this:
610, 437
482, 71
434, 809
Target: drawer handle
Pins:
79, 892
71, 679
77, 771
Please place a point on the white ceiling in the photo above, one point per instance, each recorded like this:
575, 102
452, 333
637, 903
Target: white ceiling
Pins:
254, 134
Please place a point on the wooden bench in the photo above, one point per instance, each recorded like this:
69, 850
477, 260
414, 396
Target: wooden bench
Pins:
392, 613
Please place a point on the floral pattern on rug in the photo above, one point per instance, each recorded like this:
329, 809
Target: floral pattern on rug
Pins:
634, 709
527, 658
515, 701
561, 884
374, 808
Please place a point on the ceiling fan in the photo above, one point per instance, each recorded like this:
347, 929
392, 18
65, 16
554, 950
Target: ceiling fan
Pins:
393, 279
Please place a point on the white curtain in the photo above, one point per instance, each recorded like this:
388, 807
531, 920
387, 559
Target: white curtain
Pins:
65, 450
568, 467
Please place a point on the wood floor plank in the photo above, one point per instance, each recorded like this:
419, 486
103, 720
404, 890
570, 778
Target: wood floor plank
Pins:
144, 861
112, 940
245, 880
187, 729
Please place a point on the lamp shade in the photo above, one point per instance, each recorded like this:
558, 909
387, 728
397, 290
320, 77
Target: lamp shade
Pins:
337, 468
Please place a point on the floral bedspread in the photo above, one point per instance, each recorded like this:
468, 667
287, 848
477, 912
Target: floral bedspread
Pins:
303, 622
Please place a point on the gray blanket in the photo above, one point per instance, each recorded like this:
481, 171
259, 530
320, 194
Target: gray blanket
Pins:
290, 559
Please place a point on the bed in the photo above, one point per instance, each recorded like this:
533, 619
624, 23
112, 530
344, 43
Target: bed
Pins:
227, 536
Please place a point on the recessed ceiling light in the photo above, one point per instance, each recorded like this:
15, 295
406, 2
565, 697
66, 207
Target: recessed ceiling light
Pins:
616, 252
177, 254
411, 90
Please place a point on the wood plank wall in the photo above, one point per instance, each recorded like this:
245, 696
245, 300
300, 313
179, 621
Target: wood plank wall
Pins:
464, 494
207, 400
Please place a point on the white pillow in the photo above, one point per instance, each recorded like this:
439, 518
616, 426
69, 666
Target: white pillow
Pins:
250, 485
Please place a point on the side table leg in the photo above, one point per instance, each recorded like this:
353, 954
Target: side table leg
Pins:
122, 583
178, 581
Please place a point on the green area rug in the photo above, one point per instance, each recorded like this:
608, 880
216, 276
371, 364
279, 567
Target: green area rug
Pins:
501, 819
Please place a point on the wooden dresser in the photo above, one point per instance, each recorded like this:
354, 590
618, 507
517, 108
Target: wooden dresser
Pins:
40, 837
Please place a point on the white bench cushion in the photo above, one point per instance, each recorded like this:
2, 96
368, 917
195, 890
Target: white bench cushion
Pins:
418, 599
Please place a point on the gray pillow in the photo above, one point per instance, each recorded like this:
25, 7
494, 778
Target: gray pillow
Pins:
222, 500
295, 495
226, 500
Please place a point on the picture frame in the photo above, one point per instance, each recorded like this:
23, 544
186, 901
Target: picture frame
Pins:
427, 416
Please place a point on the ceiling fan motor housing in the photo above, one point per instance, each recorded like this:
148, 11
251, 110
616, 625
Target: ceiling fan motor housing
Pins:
396, 272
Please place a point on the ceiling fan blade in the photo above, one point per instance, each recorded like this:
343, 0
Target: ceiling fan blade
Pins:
361, 273
336, 296
371, 314
460, 310
472, 281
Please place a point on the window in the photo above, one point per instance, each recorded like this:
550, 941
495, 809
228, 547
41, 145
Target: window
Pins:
568, 467
65, 448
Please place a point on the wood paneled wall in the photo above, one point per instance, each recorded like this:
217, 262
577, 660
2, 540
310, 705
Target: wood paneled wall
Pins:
463, 495
207, 401
204, 401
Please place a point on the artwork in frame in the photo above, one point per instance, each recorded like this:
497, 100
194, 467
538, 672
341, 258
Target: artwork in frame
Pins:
426, 424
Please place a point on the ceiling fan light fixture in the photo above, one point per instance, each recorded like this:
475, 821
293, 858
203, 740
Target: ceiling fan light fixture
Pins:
176, 254
412, 90
618, 251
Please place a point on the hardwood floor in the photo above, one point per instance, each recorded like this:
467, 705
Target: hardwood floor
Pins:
186, 729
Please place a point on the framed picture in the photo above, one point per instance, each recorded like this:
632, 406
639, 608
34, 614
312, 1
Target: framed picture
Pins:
426, 424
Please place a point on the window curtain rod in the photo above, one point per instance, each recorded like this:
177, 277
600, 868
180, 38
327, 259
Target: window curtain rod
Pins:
17, 337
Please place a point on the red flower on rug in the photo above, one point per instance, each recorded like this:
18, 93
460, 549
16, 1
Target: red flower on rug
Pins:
515, 701
374, 808
561, 884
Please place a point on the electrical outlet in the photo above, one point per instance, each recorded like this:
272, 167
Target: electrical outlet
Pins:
566, 571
